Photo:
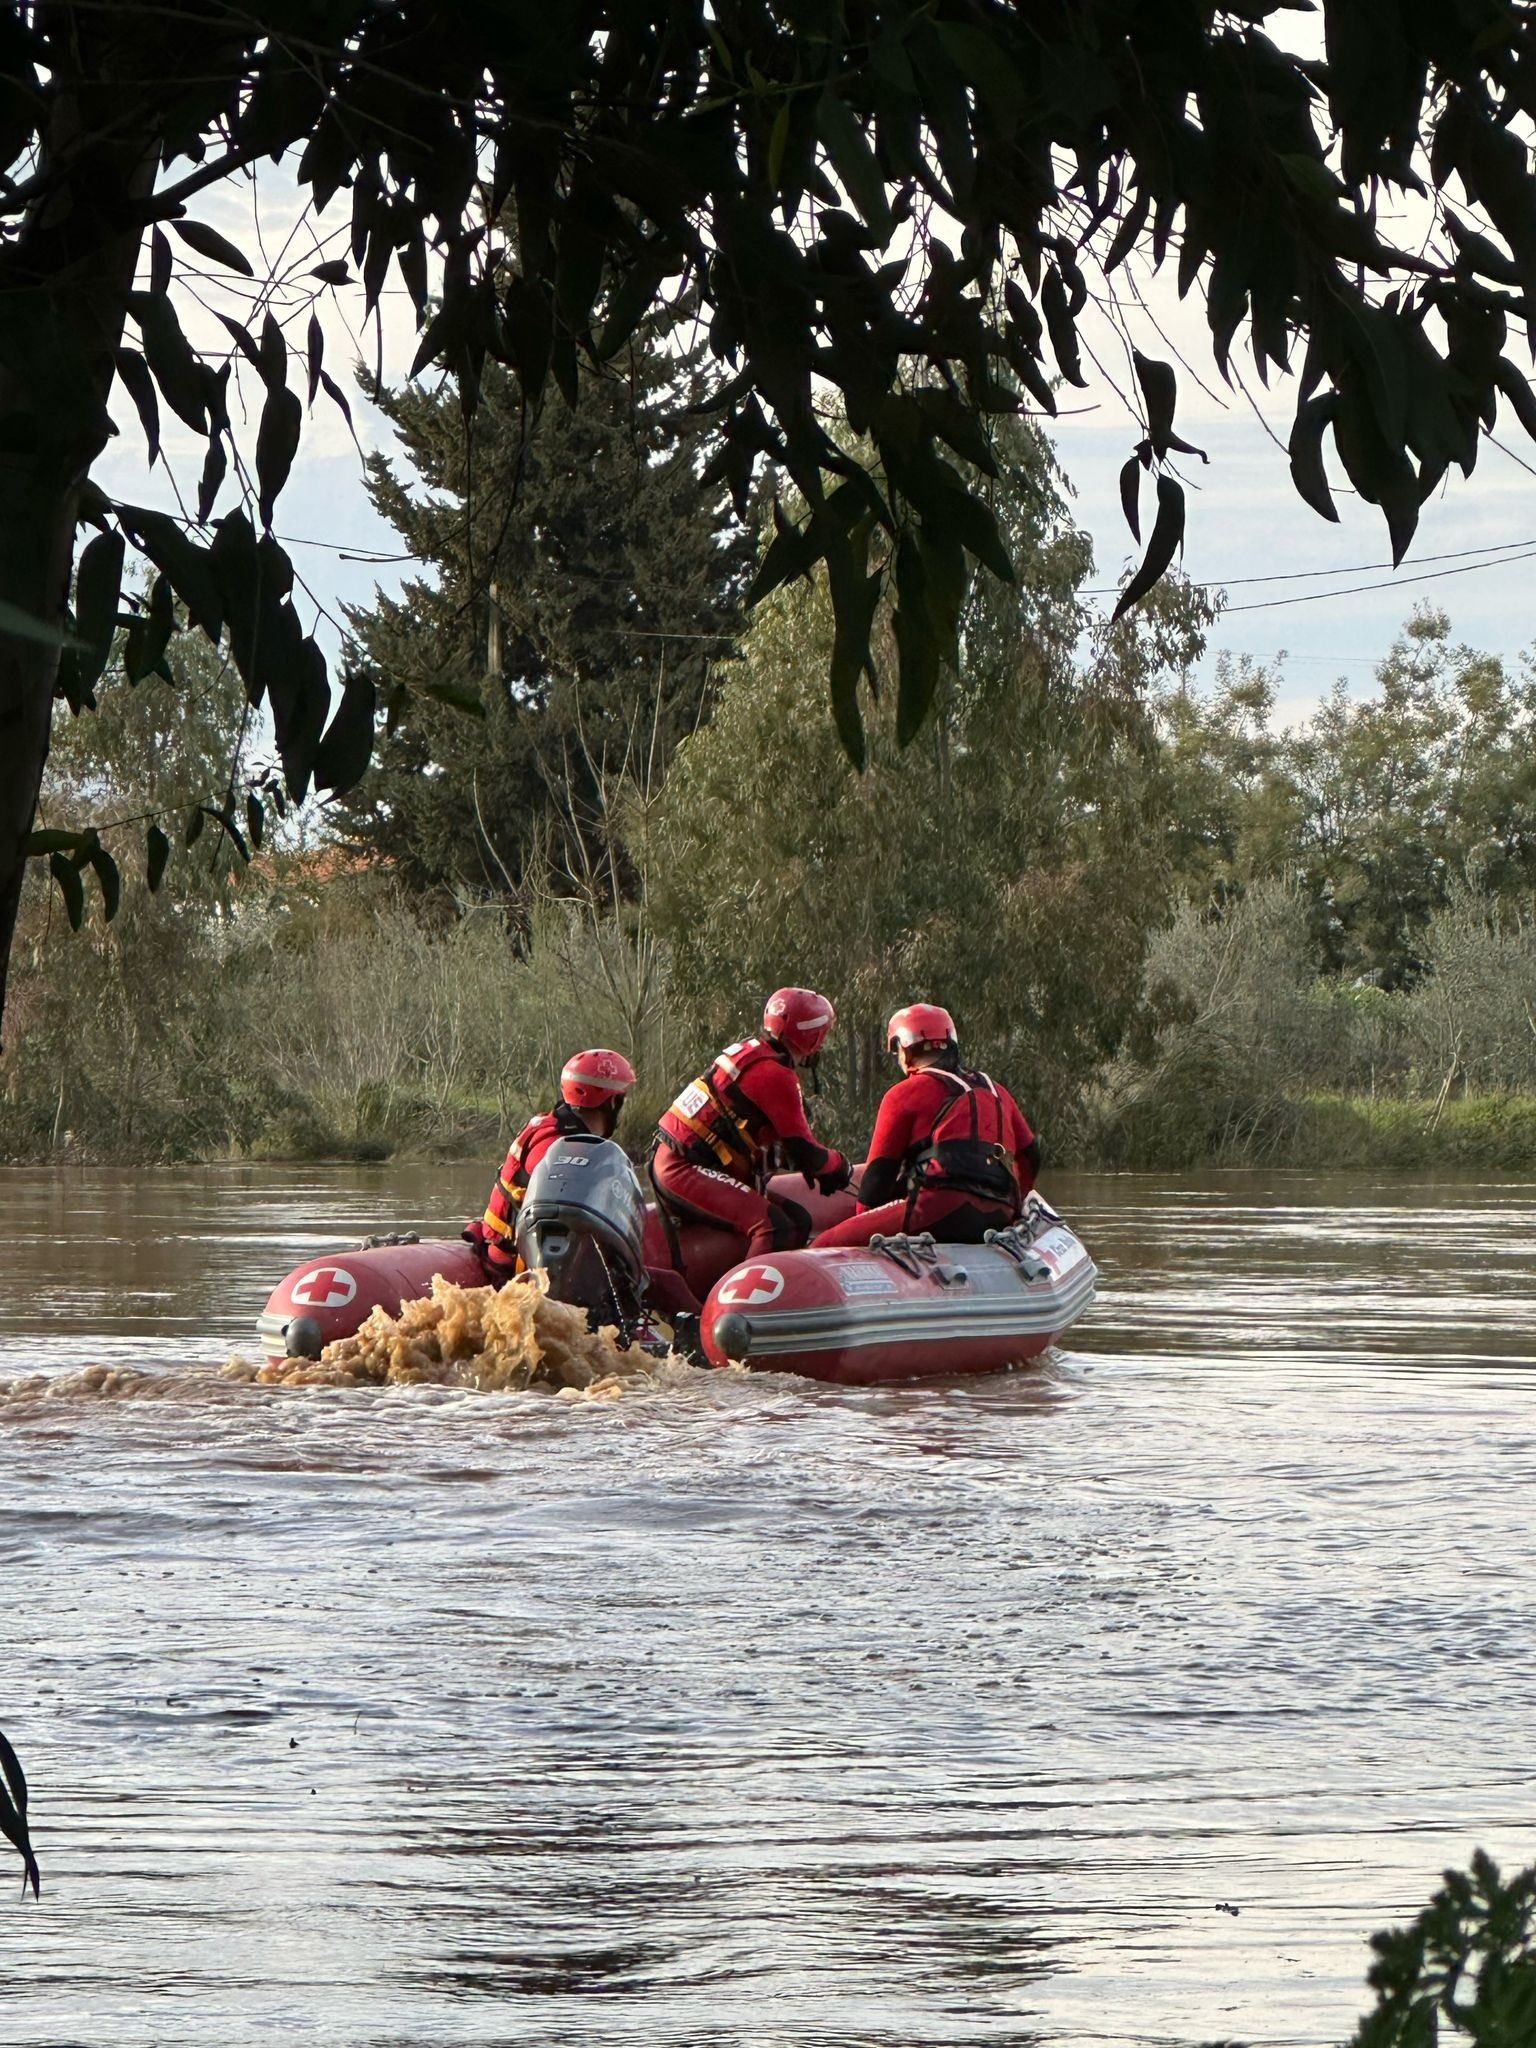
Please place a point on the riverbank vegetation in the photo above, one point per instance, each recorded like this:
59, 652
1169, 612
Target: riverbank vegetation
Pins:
611, 806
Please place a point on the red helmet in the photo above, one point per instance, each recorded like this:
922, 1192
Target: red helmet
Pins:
920, 1025
799, 1019
589, 1079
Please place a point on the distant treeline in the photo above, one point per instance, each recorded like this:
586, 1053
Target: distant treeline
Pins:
611, 809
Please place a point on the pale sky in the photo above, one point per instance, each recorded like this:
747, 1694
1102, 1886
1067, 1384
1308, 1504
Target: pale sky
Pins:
1245, 521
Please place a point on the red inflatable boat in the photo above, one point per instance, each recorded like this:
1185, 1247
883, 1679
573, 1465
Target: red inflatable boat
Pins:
329, 1298
903, 1308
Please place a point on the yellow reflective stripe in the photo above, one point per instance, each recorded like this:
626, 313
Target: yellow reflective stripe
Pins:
710, 1137
744, 1149
497, 1223
726, 1154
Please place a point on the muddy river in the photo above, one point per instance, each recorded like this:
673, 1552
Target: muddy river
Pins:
1115, 1702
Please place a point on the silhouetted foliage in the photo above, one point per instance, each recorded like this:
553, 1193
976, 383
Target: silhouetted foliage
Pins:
900, 199
13, 1817
1464, 1970
1007, 860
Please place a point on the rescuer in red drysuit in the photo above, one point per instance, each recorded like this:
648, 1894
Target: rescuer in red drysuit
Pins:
716, 1142
951, 1151
592, 1090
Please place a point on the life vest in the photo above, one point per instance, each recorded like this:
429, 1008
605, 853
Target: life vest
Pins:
714, 1123
500, 1218
968, 1147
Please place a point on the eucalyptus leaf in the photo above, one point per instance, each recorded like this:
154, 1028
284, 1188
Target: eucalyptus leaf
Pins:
1130, 495
853, 159
109, 880
1306, 452
71, 888
52, 839
98, 582
1166, 539
207, 241
140, 386
277, 442
344, 752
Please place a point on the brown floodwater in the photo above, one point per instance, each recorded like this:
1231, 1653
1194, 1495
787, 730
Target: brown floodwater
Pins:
1111, 1702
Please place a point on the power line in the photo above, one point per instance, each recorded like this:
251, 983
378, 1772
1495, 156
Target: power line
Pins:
349, 551
1493, 549
1269, 604
1494, 555
1337, 660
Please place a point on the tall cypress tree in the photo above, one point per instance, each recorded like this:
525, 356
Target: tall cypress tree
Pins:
581, 581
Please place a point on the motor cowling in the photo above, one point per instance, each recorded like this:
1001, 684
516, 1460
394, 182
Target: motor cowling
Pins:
582, 1221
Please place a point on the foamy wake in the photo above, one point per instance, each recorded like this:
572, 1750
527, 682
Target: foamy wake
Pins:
103, 1383
492, 1339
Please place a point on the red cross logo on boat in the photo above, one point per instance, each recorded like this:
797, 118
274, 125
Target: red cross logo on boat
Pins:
325, 1287
753, 1286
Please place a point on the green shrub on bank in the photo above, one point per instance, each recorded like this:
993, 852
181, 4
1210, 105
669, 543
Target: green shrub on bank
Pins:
1197, 1105
1189, 1121
1470, 1131
1465, 1970
322, 1017
1254, 1062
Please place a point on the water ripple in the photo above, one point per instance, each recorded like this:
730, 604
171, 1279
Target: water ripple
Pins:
1112, 1702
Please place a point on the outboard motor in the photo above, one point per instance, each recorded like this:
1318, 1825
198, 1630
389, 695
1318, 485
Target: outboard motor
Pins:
582, 1221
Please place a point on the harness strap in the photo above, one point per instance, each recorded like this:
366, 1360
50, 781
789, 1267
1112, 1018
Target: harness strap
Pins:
928, 1151
513, 1190
922, 1151
665, 1210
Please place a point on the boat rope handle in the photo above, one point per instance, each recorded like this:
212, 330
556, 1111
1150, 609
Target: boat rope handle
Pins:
916, 1254
1012, 1241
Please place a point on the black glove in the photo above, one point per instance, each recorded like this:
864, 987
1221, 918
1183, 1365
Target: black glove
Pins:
835, 1175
